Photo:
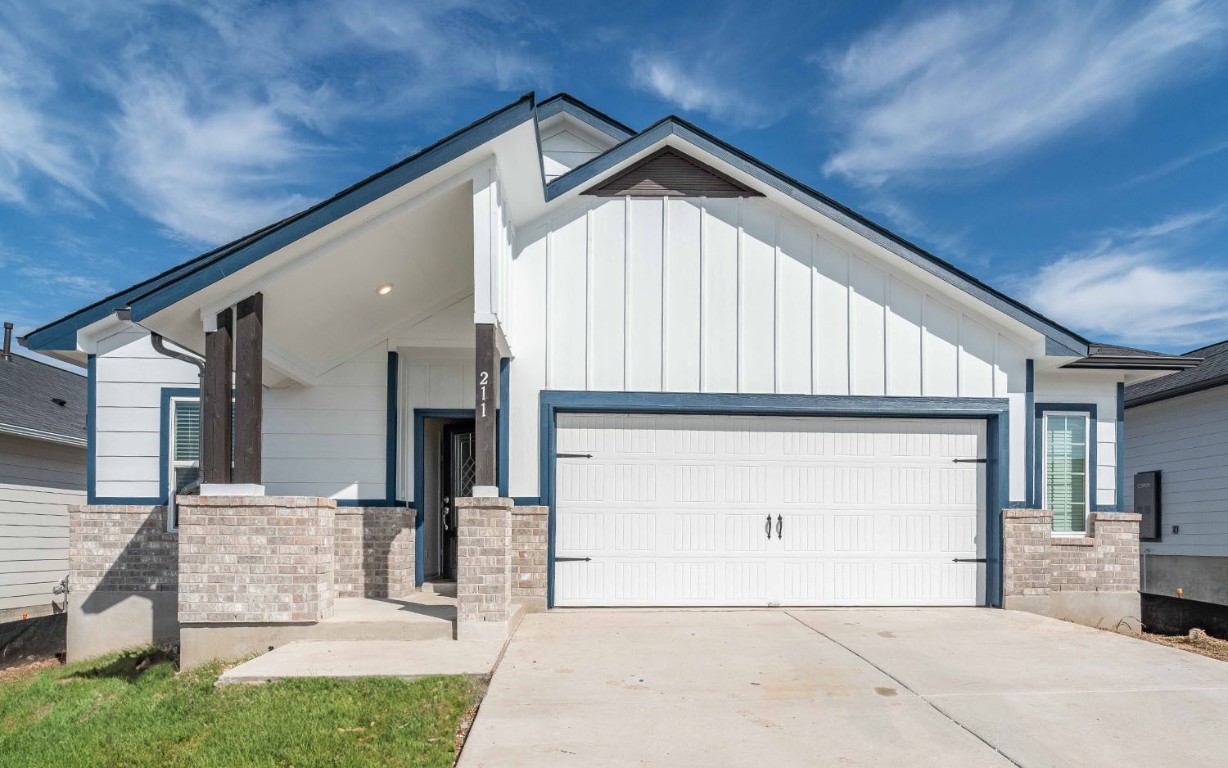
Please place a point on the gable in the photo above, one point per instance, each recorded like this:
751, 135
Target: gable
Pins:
568, 147
669, 173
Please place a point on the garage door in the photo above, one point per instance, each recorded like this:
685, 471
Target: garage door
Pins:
731, 510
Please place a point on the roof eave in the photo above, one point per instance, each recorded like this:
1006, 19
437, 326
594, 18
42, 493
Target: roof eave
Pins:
1136, 363
1169, 394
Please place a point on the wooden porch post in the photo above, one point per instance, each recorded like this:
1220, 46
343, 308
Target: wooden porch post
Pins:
485, 403
249, 374
215, 403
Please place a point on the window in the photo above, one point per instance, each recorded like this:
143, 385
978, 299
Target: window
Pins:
1066, 470
184, 451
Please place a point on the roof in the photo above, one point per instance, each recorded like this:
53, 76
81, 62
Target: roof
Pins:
1128, 358
41, 401
151, 296
1212, 372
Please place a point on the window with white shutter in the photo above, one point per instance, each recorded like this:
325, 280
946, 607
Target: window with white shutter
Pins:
184, 451
1066, 470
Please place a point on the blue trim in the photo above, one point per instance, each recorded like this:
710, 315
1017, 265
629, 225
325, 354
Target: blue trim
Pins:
420, 417
1074, 344
1119, 497
996, 412
391, 453
504, 418
1039, 410
527, 501
164, 436
1029, 400
593, 118
91, 429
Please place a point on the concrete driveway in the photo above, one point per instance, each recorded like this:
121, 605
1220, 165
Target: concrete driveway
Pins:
941, 687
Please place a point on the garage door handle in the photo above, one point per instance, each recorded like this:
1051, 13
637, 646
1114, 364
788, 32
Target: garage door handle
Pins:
968, 461
572, 559
767, 527
970, 560
780, 521
573, 455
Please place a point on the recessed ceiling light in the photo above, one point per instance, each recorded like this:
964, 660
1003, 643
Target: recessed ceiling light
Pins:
384, 290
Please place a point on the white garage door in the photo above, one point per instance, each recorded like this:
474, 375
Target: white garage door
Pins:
732, 510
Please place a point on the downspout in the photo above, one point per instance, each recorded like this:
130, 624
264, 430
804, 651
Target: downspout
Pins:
159, 344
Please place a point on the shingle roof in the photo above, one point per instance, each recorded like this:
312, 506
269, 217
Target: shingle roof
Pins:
1117, 357
29, 391
1213, 372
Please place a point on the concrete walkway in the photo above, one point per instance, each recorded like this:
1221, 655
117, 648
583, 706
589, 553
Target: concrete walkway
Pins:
346, 659
917, 687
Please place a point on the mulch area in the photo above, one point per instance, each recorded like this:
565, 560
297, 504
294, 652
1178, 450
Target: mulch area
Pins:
32, 644
1196, 642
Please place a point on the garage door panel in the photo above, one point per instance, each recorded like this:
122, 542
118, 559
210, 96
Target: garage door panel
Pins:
673, 509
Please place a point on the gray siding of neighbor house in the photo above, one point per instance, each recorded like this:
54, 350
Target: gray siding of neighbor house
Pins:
38, 481
1186, 438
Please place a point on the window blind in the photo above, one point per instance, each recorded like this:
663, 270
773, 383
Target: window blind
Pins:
1066, 471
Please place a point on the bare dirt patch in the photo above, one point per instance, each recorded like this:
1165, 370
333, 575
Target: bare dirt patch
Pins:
1196, 642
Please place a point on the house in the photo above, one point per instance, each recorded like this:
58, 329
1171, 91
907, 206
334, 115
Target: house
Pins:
1177, 463
567, 363
42, 473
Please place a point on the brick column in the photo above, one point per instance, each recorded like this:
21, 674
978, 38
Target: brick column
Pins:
529, 532
255, 559
483, 578
1025, 567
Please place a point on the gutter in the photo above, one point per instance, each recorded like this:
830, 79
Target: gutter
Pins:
39, 434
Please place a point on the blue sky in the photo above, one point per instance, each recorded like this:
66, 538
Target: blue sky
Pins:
1074, 155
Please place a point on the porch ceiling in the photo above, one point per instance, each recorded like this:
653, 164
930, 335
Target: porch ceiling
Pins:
322, 305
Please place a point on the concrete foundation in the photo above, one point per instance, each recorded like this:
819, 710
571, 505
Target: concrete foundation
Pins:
104, 622
1094, 609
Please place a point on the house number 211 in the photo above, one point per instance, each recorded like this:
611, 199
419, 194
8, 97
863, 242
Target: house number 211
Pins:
483, 381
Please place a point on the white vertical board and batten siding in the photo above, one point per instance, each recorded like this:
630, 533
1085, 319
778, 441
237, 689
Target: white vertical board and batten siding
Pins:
38, 481
1186, 439
731, 295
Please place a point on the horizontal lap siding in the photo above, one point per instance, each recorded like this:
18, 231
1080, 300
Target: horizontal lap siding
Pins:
731, 295
329, 439
323, 440
38, 480
130, 378
1186, 438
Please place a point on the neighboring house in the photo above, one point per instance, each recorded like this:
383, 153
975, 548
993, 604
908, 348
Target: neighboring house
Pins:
1177, 427
567, 363
42, 472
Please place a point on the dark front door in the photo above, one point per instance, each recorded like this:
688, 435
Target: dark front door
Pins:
455, 481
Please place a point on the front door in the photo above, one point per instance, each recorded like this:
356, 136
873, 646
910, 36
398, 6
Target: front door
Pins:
455, 481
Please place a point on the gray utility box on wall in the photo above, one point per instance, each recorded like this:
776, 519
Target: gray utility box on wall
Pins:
1147, 504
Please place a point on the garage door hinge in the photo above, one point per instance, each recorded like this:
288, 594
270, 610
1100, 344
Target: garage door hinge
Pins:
573, 455
969, 461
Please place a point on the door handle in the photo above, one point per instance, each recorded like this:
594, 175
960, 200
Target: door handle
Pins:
780, 521
767, 527
447, 513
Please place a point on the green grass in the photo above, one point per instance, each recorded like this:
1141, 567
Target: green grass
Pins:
106, 713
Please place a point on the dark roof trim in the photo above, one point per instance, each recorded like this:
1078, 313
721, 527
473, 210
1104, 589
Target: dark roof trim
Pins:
1167, 394
815, 200
684, 176
146, 298
564, 102
1130, 363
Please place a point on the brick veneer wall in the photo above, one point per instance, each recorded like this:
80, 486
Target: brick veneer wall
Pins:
483, 570
529, 531
255, 559
115, 548
1037, 562
375, 552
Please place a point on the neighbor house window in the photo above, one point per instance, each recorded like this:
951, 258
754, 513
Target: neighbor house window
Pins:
184, 451
1065, 470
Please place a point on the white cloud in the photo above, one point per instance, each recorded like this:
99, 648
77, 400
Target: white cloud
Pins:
689, 90
34, 142
1138, 286
972, 84
209, 174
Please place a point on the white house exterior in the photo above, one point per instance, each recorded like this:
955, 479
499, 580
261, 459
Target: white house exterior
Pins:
1177, 428
678, 376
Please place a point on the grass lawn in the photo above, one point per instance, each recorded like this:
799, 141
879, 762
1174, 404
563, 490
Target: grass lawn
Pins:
106, 713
